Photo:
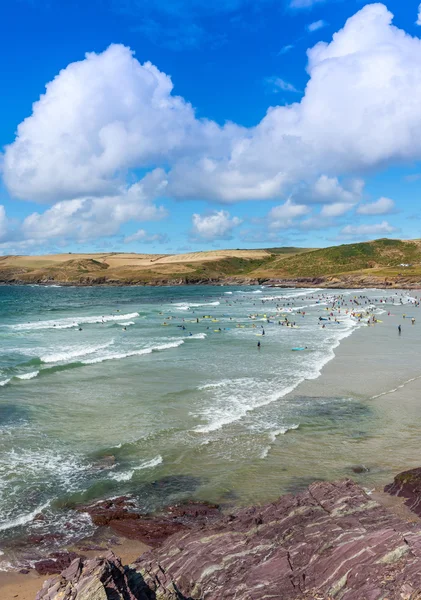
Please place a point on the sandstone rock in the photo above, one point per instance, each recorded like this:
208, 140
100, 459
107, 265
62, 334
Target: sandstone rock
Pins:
330, 542
408, 485
96, 579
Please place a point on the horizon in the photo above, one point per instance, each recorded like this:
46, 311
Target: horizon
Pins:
180, 127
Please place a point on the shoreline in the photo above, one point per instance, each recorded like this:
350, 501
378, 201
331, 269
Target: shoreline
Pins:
340, 375
267, 283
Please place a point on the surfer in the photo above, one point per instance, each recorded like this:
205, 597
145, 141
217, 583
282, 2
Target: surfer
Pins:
399, 329
258, 345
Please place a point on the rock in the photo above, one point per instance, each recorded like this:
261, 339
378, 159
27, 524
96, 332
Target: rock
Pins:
54, 563
360, 469
120, 515
330, 542
408, 485
96, 579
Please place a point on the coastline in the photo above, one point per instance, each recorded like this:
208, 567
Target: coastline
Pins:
329, 283
358, 370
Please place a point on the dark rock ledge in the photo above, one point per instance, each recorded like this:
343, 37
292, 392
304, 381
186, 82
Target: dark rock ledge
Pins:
330, 542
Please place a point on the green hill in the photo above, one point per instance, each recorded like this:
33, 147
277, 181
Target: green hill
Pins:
377, 256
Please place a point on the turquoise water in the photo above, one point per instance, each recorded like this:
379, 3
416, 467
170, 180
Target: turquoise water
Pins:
157, 392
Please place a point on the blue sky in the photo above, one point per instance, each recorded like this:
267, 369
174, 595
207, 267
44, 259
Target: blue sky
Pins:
290, 122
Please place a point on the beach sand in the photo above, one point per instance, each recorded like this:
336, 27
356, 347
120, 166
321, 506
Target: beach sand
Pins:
18, 586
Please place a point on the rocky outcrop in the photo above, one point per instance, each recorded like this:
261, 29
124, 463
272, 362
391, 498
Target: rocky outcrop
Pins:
121, 516
330, 542
408, 485
96, 579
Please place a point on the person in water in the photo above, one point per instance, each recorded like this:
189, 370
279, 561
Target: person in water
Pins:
399, 329
258, 345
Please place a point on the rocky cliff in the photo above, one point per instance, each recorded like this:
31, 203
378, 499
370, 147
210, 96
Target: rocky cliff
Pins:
331, 541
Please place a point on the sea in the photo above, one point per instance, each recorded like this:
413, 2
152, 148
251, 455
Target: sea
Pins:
163, 393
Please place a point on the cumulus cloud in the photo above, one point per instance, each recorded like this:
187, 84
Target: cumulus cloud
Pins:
382, 228
316, 25
282, 216
143, 236
98, 118
327, 190
106, 116
357, 114
4, 224
418, 21
89, 218
338, 209
382, 206
216, 226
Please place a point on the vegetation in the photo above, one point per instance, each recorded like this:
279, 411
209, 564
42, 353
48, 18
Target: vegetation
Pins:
378, 262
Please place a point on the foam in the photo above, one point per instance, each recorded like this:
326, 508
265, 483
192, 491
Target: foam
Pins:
127, 475
23, 519
188, 305
27, 376
56, 357
69, 322
197, 336
4, 382
140, 352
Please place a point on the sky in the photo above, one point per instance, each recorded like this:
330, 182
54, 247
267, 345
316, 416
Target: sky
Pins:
186, 125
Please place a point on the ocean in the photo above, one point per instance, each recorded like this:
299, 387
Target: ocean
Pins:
163, 393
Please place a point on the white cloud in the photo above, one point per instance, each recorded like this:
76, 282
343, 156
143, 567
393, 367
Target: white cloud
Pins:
368, 230
107, 115
418, 21
327, 190
382, 206
282, 216
143, 236
316, 25
277, 84
336, 210
3, 223
216, 226
357, 113
98, 118
90, 217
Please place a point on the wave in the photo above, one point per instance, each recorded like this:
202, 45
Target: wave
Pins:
128, 323
188, 305
69, 322
127, 475
26, 376
5, 382
23, 519
197, 336
140, 352
56, 357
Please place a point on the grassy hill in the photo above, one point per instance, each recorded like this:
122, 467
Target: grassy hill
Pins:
376, 263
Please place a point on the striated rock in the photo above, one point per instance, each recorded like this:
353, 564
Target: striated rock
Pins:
96, 579
330, 542
408, 485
